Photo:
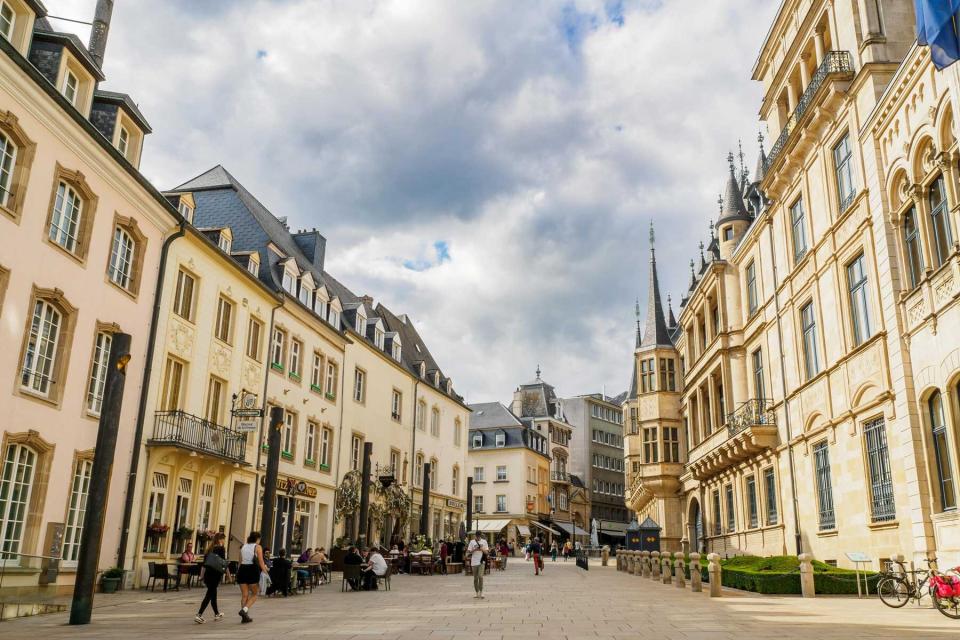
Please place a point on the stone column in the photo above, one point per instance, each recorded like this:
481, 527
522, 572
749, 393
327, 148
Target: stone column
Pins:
645, 564
716, 576
818, 45
667, 570
654, 565
807, 587
695, 578
804, 72
678, 574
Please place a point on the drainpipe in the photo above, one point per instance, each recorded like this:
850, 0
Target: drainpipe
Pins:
783, 390
144, 392
266, 380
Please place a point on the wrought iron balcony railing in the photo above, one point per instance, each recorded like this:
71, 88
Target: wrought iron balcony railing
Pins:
191, 432
835, 64
755, 412
560, 476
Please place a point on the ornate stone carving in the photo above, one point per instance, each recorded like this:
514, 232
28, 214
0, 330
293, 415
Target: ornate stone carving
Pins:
928, 159
220, 360
251, 375
181, 338
917, 312
943, 290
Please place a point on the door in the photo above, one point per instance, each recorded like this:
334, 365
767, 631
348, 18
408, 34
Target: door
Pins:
238, 518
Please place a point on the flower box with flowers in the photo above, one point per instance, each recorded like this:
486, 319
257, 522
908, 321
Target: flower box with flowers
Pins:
156, 530
183, 533
206, 535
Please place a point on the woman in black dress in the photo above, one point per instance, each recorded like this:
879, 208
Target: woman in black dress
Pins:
212, 578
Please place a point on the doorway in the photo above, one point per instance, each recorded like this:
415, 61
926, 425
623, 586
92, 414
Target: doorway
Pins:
238, 518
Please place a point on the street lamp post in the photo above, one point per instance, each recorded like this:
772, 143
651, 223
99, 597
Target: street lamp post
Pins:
106, 447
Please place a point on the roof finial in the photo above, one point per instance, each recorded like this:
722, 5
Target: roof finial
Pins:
538, 371
637, 310
701, 250
711, 229
652, 236
730, 161
720, 201
743, 168
760, 140
693, 275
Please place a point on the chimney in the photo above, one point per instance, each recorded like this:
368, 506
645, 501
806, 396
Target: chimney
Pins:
100, 30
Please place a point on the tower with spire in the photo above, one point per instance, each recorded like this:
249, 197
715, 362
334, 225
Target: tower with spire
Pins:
734, 218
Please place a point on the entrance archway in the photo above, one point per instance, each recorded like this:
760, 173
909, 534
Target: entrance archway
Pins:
695, 524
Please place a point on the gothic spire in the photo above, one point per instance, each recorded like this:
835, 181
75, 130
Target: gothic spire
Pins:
761, 160
671, 320
637, 312
733, 207
655, 331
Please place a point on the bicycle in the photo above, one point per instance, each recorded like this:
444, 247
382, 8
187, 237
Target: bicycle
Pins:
897, 588
945, 591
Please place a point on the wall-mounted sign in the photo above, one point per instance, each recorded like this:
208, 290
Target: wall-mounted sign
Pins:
247, 426
293, 487
456, 504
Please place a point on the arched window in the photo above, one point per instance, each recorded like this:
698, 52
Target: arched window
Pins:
8, 161
941, 450
41, 353
940, 222
911, 239
16, 482
66, 220
120, 270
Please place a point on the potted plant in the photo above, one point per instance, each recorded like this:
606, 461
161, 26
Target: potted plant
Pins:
205, 536
157, 530
110, 580
184, 532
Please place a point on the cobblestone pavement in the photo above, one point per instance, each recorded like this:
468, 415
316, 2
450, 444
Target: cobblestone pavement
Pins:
563, 604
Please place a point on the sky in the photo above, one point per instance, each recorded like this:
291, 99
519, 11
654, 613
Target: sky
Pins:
489, 168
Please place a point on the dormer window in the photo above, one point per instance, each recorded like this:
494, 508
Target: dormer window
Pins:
397, 349
436, 378
289, 283
186, 211
123, 141
477, 440
360, 323
334, 318
7, 19
305, 292
253, 265
378, 338
501, 440
70, 87
320, 306
223, 241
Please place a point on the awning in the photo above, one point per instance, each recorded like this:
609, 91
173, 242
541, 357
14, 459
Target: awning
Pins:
523, 529
491, 525
609, 526
613, 534
572, 529
545, 528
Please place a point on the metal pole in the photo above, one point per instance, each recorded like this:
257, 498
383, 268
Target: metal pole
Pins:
425, 508
364, 495
469, 504
99, 487
270, 482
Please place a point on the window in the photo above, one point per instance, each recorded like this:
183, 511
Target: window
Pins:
418, 470
305, 293
843, 164
455, 481
310, 455
185, 210
98, 372
457, 432
799, 233
477, 440
650, 445
501, 473
859, 300
289, 283
120, 268
878, 464
478, 474
941, 450
216, 394
155, 508
727, 233
79, 488
253, 265
501, 440
395, 461
123, 141
717, 516
296, 348
205, 508
671, 385
326, 440
731, 513
434, 472
478, 504
254, 334
359, 385
758, 387
911, 240
939, 222
752, 510
421, 415
811, 361
8, 162
770, 491
663, 382
7, 19
331, 388
501, 504
16, 483
356, 453
396, 405
288, 437
66, 219
821, 457
183, 297
360, 323
671, 445
276, 349
335, 318
397, 350
435, 422
70, 86
752, 300
222, 328
171, 398
181, 512
42, 349
223, 241
378, 338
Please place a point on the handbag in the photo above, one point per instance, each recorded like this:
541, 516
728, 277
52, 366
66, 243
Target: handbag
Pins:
214, 562
265, 581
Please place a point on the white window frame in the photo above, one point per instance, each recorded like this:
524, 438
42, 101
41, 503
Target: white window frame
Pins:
501, 503
359, 385
435, 422
311, 442
67, 218
223, 241
276, 347
296, 349
477, 440
501, 473
40, 357
500, 440
326, 439
123, 141
98, 372
8, 20
70, 89
8, 164
76, 508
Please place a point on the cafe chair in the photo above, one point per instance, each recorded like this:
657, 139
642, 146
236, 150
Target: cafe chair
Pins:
157, 572
385, 578
352, 575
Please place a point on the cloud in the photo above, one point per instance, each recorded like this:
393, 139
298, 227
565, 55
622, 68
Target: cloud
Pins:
489, 168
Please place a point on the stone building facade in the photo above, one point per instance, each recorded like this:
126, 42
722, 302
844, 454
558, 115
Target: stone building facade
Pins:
815, 405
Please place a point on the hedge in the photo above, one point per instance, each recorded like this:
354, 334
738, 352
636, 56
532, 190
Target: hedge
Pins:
781, 575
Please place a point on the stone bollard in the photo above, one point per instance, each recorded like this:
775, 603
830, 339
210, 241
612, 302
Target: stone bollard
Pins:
695, 578
807, 586
644, 564
635, 570
627, 560
605, 555
678, 574
654, 565
716, 575
666, 571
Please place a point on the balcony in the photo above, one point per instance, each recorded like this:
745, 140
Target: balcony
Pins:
181, 429
836, 65
559, 476
654, 479
751, 429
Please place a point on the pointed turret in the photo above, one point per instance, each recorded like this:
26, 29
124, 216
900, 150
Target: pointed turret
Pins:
761, 161
671, 320
733, 207
655, 331
637, 312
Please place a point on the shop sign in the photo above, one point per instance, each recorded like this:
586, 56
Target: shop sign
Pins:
294, 487
456, 504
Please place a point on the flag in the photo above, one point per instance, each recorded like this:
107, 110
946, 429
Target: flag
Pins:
938, 27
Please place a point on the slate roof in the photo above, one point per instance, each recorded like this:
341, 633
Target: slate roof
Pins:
124, 100
538, 399
655, 330
43, 30
733, 207
489, 415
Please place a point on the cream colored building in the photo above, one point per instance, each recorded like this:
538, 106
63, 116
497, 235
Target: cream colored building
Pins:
83, 233
815, 405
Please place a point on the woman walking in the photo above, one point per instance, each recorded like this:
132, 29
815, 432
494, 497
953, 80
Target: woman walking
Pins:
214, 568
248, 575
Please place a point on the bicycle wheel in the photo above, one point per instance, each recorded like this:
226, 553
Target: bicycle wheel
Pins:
949, 607
894, 592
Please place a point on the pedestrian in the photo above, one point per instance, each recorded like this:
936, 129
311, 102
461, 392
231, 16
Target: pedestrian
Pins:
214, 568
478, 549
553, 551
535, 550
248, 575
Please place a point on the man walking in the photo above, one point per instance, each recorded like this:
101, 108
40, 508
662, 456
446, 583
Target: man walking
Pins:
478, 549
536, 550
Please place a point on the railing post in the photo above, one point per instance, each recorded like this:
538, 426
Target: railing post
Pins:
695, 578
807, 584
654, 565
716, 575
667, 572
678, 574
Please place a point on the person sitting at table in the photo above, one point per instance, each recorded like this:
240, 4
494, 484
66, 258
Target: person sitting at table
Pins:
376, 567
305, 556
185, 563
444, 552
319, 555
280, 574
353, 557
